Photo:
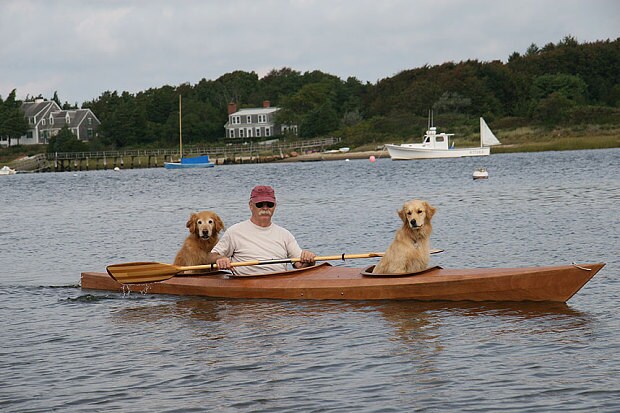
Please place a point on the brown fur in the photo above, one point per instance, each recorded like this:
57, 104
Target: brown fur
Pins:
204, 228
410, 250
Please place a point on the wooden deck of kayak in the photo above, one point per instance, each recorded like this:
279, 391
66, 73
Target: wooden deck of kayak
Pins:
325, 282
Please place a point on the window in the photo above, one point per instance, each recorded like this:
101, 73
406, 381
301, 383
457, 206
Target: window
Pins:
248, 132
236, 120
241, 133
231, 133
258, 132
262, 118
51, 120
90, 121
267, 131
248, 119
89, 132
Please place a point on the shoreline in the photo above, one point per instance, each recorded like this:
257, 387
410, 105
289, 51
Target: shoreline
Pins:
322, 156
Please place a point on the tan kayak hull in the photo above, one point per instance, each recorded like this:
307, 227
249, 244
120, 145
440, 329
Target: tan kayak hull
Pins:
325, 282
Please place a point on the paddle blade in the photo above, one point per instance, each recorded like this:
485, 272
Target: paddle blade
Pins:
141, 272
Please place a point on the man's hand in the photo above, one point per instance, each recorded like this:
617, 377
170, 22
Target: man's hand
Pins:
306, 259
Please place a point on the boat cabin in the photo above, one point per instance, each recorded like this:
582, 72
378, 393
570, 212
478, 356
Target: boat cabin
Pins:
432, 140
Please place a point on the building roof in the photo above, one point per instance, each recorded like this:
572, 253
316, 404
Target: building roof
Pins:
255, 111
32, 109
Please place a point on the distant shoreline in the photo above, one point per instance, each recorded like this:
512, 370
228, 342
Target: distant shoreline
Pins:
322, 156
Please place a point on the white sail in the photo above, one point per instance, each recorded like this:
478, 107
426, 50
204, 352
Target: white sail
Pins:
487, 138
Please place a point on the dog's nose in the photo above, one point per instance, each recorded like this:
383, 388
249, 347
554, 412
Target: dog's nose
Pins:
413, 223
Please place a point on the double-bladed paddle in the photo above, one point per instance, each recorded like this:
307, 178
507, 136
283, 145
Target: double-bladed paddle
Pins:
146, 272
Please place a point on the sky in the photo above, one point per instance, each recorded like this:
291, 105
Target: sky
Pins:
81, 49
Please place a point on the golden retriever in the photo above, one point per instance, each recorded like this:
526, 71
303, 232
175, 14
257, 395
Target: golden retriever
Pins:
410, 250
204, 228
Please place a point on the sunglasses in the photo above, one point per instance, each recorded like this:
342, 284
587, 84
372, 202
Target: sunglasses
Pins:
261, 204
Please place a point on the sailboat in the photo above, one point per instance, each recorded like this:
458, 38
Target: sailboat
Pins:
195, 162
437, 145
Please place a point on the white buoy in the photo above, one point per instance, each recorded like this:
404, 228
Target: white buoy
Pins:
116, 168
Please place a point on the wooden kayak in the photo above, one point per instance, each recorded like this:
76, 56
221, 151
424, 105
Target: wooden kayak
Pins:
326, 282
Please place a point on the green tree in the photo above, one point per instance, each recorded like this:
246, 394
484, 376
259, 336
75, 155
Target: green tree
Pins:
66, 141
571, 87
553, 109
13, 124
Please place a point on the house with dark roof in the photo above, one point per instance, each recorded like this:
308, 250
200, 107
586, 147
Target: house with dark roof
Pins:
255, 123
45, 119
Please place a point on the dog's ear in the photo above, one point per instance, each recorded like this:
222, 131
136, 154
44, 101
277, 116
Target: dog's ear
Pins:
191, 223
219, 224
430, 210
402, 214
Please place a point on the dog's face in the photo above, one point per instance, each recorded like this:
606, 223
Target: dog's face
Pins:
205, 224
416, 213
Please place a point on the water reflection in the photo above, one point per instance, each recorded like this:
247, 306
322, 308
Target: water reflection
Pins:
409, 321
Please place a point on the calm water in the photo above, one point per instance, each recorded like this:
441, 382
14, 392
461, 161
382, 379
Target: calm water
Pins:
65, 349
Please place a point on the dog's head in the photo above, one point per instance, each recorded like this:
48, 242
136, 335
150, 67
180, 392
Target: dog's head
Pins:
416, 214
205, 224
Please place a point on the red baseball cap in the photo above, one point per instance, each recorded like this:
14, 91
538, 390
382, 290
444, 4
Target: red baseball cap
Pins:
262, 193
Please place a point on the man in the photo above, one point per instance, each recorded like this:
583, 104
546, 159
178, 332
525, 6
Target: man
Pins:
259, 239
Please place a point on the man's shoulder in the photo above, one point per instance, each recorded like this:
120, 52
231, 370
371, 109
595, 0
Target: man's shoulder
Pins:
281, 229
239, 226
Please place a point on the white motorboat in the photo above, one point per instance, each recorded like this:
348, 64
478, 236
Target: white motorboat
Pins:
437, 145
5, 170
480, 173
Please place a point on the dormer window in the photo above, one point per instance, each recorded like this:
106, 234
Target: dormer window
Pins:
249, 119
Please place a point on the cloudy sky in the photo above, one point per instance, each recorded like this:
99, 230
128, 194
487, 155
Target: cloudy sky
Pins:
83, 48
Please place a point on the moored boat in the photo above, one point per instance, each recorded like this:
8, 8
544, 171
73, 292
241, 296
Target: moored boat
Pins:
437, 145
326, 282
195, 162
480, 173
5, 170
185, 163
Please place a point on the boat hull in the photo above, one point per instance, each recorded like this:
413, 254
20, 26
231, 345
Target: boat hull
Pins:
399, 152
178, 165
324, 282
195, 162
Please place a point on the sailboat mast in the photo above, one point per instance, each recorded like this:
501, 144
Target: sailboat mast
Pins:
180, 131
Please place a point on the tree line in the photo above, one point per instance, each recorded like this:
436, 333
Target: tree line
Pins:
564, 83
